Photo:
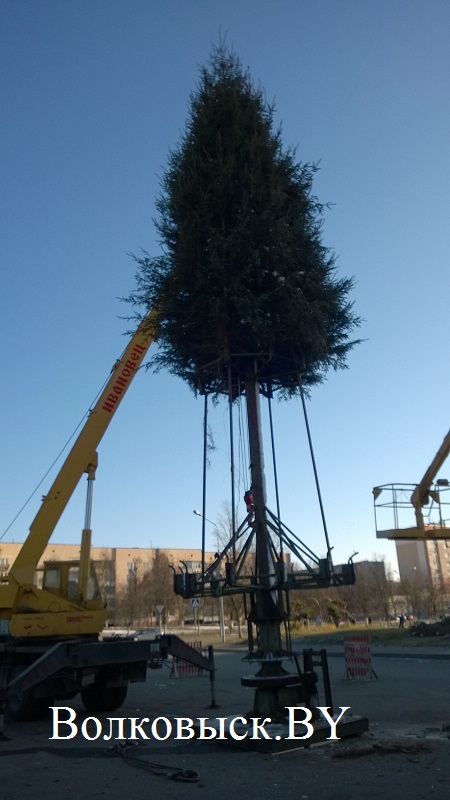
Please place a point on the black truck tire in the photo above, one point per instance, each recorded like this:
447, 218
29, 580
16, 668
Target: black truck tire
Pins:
98, 697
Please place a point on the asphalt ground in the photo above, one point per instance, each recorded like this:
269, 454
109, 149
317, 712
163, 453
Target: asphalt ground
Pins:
405, 753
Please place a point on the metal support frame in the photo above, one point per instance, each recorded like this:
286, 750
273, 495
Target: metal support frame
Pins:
254, 562
227, 577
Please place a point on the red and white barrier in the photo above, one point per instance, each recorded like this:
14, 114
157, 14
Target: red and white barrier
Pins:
358, 657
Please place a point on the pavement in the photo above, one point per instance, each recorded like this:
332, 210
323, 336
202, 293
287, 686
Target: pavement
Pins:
405, 753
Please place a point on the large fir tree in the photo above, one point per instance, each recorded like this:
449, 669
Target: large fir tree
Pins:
244, 274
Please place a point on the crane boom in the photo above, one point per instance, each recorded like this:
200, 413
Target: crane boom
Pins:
82, 455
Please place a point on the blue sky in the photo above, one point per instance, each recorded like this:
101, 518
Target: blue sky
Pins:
93, 95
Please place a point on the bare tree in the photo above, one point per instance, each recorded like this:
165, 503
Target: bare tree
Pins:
107, 584
433, 594
381, 578
158, 587
413, 591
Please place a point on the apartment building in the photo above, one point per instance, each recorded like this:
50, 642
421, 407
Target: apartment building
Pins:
428, 559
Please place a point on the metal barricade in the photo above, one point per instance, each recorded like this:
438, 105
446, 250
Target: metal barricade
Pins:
182, 669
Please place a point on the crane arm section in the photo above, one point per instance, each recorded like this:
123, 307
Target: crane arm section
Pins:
419, 496
83, 453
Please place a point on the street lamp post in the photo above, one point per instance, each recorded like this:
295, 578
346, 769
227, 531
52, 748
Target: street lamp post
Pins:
221, 613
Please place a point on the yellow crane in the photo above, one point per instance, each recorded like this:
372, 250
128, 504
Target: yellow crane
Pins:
51, 650
69, 603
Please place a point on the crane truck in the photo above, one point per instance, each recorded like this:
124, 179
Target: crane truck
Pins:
50, 624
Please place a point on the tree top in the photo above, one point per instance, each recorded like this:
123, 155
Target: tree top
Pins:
244, 285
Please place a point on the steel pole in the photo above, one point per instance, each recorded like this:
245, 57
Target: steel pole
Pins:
267, 616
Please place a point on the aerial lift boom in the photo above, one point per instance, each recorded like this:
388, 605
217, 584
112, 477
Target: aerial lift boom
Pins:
400, 499
423, 493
